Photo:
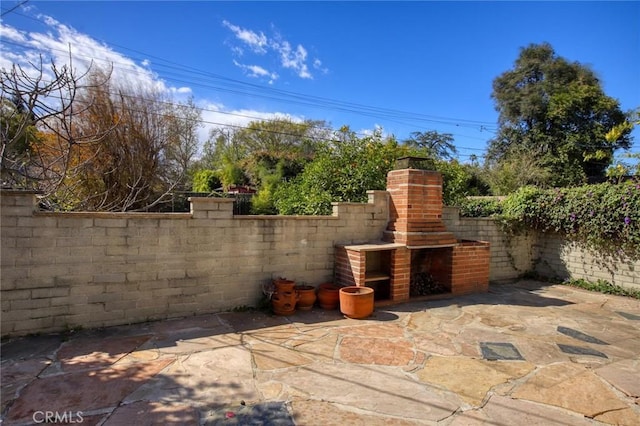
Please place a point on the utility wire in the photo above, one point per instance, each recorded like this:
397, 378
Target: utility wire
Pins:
14, 8
239, 87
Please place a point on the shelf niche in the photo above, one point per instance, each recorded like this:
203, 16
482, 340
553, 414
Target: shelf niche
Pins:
378, 273
367, 265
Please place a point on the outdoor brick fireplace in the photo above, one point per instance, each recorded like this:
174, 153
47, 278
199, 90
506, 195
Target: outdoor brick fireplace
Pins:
416, 255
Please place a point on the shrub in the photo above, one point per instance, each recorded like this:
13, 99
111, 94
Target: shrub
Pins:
604, 286
480, 207
604, 217
205, 181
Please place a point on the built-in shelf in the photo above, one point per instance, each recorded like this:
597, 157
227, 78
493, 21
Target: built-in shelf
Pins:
376, 276
376, 246
375, 257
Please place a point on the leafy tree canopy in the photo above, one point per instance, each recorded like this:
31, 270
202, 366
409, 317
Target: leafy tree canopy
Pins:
350, 166
341, 171
433, 144
557, 111
279, 144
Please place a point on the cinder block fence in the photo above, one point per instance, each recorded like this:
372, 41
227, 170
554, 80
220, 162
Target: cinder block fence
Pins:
68, 270
65, 270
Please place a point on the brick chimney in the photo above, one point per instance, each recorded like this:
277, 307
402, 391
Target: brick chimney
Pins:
415, 215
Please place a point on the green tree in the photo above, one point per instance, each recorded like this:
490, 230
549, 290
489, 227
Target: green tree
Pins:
277, 146
621, 167
434, 144
183, 121
18, 132
557, 111
262, 148
205, 180
520, 168
456, 181
341, 171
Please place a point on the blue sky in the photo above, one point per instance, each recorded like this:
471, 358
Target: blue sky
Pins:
401, 66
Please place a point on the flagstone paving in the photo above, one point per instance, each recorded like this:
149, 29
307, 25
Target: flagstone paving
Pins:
523, 353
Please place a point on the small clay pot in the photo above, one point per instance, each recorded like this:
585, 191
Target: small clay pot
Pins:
328, 296
284, 285
283, 303
306, 297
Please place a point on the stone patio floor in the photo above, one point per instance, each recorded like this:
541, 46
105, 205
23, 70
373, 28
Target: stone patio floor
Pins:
523, 354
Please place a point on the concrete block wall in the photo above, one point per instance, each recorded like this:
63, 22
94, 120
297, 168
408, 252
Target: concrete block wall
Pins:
67, 270
559, 258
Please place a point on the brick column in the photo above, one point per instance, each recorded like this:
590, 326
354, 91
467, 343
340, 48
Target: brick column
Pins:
400, 274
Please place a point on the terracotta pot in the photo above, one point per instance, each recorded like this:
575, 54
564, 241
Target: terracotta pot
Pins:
283, 303
284, 285
328, 295
306, 297
356, 302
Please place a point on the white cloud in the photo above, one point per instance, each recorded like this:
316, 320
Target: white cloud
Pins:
64, 45
294, 59
9, 33
58, 42
182, 90
256, 41
317, 64
216, 116
256, 71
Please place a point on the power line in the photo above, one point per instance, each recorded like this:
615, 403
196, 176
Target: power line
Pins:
239, 87
185, 74
13, 8
125, 70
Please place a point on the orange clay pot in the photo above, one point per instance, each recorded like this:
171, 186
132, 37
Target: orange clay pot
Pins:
306, 297
328, 296
356, 302
284, 285
283, 303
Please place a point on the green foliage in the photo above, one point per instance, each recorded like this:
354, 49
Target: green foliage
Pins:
231, 173
521, 204
603, 286
434, 144
263, 201
301, 197
205, 181
604, 217
480, 207
455, 181
557, 111
518, 169
342, 171
622, 168
18, 131
345, 170
263, 144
